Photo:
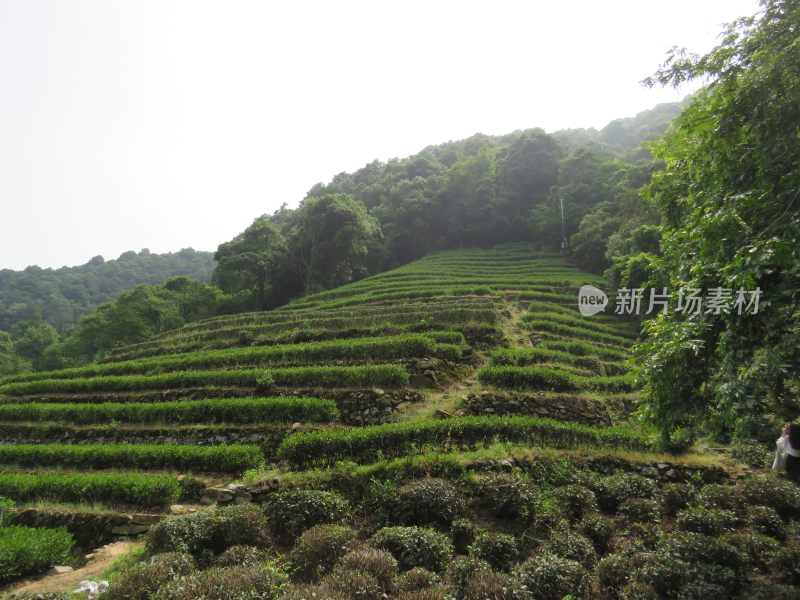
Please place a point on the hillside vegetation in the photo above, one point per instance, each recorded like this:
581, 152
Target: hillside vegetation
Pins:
450, 426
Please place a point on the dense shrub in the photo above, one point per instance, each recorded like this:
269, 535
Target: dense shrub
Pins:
319, 549
366, 444
638, 510
463, 533
757, 550
708, 521
780, 494
698, 548
27, 550
291, 512
142, 580
614, 571
612, 490
415, 547
506, 496
417, 579
231, 583
210, 532
315, 376
427, 501
599, 531
675, 496
460, 569
571, 545
379, 564
576, 501
242, 556
353, 585
215, 410
786, 564
498, 549
487, 585
547, 378
373, 348
765, 520
229, 457
720, 496
549, 577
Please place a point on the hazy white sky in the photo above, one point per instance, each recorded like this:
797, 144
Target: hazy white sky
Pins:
167, 124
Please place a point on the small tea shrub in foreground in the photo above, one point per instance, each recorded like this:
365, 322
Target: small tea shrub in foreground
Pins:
549, 577
415, 547
507, 496
612, 490
427, 501
291, 512
497, 549
576, 501
265, 582
379, 564
319, 549
674, 497
142, 580
207, 533
28, 550
572, 545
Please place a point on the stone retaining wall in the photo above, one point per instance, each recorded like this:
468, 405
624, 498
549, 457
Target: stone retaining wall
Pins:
89, 529
562, 408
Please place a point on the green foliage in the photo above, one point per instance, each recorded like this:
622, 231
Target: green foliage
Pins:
60, 296
675, 496
249, 261
765, 520
208, 533
125, 488
28, 551
230, 583
417, 579
498, 549
314, 376
576, 501
461, 568
373, 348
318, 550
427, 501
396, 439
599, 531
780, 494
291, 512
524, 378
223, 458
216, 410
730, 219
378, 564
549, 577
507, 496
612, 490
414, 547
638, 510
242, 555
142, 580
571, 545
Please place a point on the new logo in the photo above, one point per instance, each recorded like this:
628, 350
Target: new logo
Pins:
591, 300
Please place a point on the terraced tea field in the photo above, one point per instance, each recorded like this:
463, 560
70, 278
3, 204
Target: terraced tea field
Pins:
469, 371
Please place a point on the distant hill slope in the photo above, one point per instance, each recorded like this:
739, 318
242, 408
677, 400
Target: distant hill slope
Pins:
624, 137
60, 296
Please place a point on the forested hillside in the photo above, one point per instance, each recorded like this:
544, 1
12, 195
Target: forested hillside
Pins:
579, 198
59, 296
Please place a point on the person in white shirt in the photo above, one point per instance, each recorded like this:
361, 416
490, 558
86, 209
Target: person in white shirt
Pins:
787, 453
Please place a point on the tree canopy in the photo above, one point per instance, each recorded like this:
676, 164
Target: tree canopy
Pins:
729, 199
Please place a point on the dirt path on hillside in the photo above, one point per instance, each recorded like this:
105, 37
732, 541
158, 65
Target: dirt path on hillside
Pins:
94, 567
